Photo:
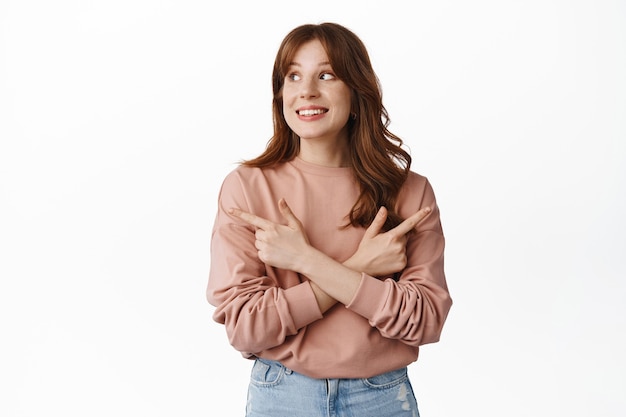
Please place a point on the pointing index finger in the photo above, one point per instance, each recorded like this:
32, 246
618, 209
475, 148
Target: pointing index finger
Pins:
249, 218
409, 223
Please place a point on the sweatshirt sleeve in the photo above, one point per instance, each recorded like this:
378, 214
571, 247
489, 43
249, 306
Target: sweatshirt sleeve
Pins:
258, 314
414, 308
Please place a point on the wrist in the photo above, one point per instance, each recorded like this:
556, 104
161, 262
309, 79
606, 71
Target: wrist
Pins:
308, 260
352, 263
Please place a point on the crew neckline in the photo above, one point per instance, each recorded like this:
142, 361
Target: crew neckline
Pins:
316, 169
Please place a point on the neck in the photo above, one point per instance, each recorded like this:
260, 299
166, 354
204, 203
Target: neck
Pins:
324, 154
328, 159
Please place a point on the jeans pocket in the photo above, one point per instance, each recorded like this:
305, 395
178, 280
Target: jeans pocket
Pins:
266, 373
388, 379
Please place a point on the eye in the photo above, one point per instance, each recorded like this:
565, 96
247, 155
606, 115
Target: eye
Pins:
327, 76
293, 76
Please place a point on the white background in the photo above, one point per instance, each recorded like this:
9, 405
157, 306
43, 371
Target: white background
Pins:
120, 118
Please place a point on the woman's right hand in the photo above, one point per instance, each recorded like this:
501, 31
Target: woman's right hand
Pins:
382, 254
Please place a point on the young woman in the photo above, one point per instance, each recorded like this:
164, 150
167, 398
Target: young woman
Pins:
327, 250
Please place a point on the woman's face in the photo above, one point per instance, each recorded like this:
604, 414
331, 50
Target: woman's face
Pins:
316, 104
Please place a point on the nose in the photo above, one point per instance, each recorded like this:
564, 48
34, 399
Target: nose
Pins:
309, 88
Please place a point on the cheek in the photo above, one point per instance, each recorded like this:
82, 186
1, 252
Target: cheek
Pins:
288, 114
287, 104
345, 98
288, 95
287, 111
346, 106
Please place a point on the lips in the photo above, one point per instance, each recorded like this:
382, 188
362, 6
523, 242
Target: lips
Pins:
311, 111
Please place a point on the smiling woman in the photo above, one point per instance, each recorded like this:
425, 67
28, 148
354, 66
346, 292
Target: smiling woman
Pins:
327, 250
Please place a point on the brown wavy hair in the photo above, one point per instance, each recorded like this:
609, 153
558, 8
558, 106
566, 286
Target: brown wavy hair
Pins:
377, 157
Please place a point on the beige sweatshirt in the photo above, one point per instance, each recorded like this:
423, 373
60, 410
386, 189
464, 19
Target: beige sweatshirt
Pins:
272, 313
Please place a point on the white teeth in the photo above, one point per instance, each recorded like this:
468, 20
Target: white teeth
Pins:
311, 112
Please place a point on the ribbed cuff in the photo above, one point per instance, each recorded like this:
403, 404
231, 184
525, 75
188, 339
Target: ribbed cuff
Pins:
302, 304
369, 298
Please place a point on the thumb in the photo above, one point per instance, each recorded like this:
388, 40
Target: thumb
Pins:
292, 220
377, 224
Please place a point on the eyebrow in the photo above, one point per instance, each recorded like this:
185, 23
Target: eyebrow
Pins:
321, 64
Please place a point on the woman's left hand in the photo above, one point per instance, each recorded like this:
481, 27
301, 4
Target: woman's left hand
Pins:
280, 245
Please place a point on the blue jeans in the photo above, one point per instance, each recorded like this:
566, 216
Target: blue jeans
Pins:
276, 391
